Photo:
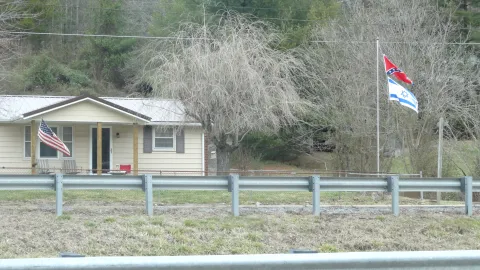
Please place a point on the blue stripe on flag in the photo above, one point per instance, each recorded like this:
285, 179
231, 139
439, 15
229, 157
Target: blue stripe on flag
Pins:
404, 101
401, 100
408, 91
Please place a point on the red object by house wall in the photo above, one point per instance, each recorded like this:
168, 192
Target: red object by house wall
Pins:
126, 167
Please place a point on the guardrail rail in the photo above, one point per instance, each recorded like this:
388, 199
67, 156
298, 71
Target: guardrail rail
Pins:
234, 184
426, 260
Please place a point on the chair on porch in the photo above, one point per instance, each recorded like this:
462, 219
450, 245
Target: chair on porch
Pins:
43, 166
70, 167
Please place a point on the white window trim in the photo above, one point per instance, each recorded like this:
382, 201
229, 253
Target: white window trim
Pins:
165, 149
25, 141
73, 142
37, 142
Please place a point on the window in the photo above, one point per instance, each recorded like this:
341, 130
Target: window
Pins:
27, 141
163, 138
47, 151
67, 134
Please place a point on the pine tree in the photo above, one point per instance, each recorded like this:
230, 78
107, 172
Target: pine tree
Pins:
107, 56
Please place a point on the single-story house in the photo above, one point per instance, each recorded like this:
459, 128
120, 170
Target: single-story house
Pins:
138, 135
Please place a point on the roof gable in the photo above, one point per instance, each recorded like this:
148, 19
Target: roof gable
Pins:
78, 99
14, 108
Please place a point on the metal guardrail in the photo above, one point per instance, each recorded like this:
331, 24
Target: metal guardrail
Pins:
234, 184
426, 260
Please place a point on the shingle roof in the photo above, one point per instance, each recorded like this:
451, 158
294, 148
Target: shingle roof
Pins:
16, 107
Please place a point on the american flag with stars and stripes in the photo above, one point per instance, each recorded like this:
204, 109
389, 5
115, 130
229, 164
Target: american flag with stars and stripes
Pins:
48, 137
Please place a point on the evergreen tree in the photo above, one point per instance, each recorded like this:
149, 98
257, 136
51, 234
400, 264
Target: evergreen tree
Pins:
106, 56
294, 18
42, 12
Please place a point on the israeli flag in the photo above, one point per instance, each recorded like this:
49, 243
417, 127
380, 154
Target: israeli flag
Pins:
402, 95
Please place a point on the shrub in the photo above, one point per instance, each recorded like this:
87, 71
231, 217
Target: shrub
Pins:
47, 73
281, 147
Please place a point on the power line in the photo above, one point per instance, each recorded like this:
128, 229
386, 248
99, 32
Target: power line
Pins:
395, 42
434, 43
96, 35
341, 41
194, 38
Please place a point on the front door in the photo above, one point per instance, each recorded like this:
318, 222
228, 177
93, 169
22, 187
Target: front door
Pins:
106, 149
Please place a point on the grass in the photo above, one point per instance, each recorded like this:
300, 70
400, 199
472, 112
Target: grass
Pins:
88, 230
64, 217
459, 157
205, 197
462, 155
109, 220
211, 197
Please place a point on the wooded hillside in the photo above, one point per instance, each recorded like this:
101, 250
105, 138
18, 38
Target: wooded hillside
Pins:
304, 70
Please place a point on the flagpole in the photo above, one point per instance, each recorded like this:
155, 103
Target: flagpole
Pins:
378, 112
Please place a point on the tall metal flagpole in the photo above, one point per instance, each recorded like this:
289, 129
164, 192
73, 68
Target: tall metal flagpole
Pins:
378, 114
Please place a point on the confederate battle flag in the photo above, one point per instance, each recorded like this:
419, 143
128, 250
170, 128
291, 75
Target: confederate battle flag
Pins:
390, 69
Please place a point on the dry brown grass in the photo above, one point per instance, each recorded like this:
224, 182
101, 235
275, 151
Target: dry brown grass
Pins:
119, 229
171, 197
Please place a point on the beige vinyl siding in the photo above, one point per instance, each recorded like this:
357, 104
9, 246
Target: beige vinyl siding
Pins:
123, 146
12, 142
12, 145
81, 142
191, 160
80, 148
12, 148
87, 111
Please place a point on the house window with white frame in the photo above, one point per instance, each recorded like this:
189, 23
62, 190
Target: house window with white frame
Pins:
45, 151
164, 138
27, 141
67, 136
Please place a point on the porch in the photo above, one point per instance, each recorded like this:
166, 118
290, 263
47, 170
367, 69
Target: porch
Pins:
104, 136
101, 148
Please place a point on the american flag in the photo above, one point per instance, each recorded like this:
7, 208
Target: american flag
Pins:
48, 137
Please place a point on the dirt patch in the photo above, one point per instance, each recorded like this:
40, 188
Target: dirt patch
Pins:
122, 229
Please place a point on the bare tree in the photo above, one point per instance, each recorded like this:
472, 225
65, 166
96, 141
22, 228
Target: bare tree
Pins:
10, 13
416, 36
230, 78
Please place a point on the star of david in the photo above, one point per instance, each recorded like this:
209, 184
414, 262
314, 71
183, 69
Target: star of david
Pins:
404, 94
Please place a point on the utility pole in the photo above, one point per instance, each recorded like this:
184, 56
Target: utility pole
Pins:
378, 113
439, 156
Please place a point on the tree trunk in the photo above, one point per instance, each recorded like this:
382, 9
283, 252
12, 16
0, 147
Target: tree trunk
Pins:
223, 161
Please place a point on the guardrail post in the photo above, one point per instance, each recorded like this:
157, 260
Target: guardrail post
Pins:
394, 188
467, 188
59, 193
233, 187
315, 189
148, 189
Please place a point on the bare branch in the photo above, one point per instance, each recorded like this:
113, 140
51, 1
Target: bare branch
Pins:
413, 34
233, 81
